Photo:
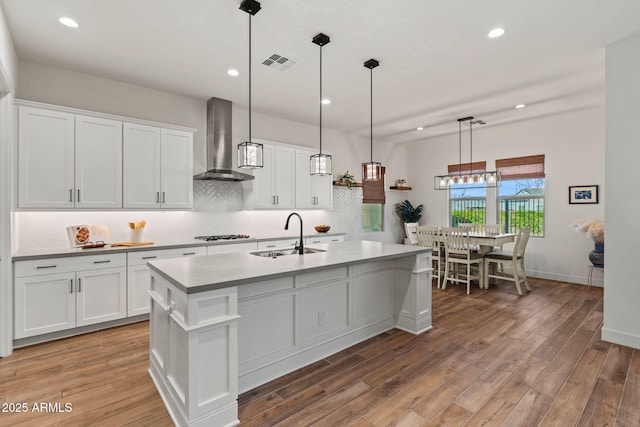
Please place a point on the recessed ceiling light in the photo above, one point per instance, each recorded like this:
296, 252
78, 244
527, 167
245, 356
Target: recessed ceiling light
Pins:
420, 128
68, 22
520, 106
326, 101
233, 72
495, 33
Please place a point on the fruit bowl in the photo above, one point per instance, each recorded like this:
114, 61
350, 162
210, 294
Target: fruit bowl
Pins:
322, 228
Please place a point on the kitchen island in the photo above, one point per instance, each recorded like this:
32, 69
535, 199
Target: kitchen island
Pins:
224, 324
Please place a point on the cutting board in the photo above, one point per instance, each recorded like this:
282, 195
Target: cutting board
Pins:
131, 244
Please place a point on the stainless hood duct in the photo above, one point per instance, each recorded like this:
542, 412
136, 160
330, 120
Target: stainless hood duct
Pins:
219, 144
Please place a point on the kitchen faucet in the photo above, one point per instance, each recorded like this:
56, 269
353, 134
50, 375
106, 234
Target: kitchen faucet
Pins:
300, 247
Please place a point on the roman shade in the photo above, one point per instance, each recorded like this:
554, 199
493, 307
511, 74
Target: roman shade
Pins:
521, 167
467, 168
373, 191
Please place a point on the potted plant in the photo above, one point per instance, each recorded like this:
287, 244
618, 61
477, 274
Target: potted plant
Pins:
408, 213
348, 178
593, 228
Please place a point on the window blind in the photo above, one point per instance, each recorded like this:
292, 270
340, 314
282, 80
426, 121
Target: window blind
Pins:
521, 167
373, 191
466, 168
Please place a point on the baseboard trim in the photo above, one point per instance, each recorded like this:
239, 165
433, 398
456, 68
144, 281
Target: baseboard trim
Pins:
621, 338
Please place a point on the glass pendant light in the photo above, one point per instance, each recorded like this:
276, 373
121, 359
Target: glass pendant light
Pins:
321, 163
250, 153
371, 171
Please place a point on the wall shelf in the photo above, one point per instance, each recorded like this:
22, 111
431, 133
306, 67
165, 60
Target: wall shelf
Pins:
344, 184
397, 188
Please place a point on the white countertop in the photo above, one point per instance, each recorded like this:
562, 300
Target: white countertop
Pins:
29, 254
199, 274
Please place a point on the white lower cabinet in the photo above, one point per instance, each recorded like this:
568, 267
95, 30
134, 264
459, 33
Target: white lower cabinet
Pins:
139, 277
277, 244
63, 293
322, 239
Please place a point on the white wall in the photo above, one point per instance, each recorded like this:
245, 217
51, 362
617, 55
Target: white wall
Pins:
573, 144
63, 87
8, 78
622, 290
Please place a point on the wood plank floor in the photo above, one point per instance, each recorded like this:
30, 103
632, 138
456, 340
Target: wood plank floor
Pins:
492, 359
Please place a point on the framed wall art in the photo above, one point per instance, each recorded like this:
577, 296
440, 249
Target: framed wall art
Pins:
583, 194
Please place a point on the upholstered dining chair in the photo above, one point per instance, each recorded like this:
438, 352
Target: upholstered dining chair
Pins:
430, 237
516, 271
458, 253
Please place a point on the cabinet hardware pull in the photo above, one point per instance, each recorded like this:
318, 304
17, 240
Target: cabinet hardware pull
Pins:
157, 197
277, 200
71, 195
273, 200
163, 197
78, 195
102, 262
188, 253
316, 241
149, 257
271, 246
79, 284
335, 240
70, 286
46, 266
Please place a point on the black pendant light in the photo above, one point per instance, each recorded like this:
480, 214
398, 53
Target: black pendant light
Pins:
476, 178
321, 163
250, 153
371, 171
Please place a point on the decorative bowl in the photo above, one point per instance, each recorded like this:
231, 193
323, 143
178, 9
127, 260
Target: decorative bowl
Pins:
322, 228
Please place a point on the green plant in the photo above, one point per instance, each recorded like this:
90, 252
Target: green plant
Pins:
407, 212
348, 178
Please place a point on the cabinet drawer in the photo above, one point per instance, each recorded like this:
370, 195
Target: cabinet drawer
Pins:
68, 264
323, 239
277, 244
137, 258
236, 247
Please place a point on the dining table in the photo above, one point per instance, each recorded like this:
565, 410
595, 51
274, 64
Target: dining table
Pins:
485, 243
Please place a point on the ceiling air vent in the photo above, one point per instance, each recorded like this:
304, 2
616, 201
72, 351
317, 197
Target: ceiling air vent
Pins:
279, 62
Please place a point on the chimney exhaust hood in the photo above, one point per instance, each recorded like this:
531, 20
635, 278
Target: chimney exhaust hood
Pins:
219, 144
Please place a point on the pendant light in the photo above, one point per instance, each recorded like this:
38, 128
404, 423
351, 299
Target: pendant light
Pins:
474, 178
321, 163
250, 153
371, 171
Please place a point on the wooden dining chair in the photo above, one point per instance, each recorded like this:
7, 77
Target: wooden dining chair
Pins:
515, 258
430, 237
458, 253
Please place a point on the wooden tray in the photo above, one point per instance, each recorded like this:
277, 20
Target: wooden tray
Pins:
130, 244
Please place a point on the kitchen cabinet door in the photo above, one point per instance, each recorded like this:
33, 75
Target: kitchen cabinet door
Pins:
98, 163
141, 166
274, 183
45, 158
176, 169
44, 304
101, 295
312, 191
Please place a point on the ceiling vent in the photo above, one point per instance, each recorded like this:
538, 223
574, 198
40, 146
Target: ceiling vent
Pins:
279, 62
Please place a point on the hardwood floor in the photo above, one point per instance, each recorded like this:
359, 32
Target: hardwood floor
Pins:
493, 358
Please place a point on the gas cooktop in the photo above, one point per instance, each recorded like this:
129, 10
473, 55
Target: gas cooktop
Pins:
223, 237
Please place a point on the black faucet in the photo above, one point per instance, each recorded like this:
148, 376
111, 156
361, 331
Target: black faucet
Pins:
300, 247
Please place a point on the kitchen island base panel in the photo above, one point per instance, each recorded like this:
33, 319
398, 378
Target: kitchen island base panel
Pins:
195, 337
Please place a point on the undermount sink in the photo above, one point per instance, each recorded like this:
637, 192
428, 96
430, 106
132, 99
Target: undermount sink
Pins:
281, 252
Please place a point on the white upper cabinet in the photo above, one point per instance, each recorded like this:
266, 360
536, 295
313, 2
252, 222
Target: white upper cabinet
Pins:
176, 169
98, 163
312, 191
274, 184
45, 158
158, 167
141, 161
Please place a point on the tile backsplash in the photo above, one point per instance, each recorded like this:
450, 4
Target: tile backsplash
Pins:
218, 209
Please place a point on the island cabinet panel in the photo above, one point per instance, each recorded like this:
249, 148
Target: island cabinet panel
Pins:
325, 312
373, 298
194, 352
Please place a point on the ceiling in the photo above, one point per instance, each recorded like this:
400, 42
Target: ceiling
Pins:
436, 62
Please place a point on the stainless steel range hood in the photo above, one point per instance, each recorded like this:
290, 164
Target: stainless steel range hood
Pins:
219, 144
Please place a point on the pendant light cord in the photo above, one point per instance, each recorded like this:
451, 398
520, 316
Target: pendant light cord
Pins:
371, 129
249, 77
320, 99
471, 147
459, 148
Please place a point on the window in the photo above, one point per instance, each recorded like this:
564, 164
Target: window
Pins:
521, 193
371, 217
467, 202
